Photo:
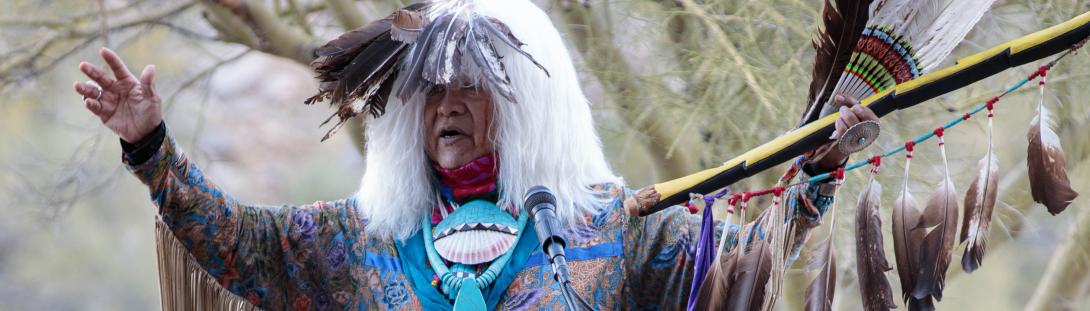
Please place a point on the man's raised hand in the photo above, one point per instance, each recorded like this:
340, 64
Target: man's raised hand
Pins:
127, 106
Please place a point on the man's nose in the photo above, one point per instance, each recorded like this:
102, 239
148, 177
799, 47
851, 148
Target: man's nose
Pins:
451, 106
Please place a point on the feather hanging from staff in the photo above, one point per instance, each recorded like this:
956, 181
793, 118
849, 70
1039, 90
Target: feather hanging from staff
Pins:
720, 277
822, 289
939, 222
1047, 164
871, 264
355, 69
717, 283
902, 40
979, 203
907, 240
750, 276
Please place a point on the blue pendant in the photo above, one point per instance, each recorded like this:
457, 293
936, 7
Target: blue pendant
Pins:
469, 297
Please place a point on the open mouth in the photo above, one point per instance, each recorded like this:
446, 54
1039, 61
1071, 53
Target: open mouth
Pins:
450, 135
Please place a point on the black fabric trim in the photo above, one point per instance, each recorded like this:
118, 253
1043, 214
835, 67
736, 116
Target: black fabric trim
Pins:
144, 149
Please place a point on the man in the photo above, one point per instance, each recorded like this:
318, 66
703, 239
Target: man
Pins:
437, 222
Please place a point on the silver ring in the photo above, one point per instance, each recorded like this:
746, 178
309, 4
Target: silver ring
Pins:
97, 88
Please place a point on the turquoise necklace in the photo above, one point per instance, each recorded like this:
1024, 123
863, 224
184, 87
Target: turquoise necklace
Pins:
460, 282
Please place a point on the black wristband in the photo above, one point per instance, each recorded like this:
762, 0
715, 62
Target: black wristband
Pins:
142, 150
812, 169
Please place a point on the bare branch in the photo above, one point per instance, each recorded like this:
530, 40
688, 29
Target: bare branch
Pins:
264, 32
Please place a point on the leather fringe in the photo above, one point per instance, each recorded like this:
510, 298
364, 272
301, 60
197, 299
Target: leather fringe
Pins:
183, 284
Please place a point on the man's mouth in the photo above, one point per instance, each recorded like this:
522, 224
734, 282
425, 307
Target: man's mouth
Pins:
450, 136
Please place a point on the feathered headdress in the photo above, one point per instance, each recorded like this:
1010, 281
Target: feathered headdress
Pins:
426, 42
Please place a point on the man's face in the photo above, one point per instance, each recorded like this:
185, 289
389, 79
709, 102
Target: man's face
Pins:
457, 122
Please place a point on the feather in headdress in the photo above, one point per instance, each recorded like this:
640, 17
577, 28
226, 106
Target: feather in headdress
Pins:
355, 69
456, 30
939, 222
979, 203
902, 40
358, 70
871, 264
1047, 165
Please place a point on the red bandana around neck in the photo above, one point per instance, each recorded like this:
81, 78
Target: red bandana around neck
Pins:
476, 178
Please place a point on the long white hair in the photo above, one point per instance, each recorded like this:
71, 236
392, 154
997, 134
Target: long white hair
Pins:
546, 137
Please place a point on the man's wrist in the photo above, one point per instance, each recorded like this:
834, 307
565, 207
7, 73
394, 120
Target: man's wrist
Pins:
813, 168
139, 152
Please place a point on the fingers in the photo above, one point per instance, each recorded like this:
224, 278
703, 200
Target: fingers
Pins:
102, 111
840, 128
864, 113
147, 79
848, 116
861, 112
842, 100
116, 65
86, 90
95, 74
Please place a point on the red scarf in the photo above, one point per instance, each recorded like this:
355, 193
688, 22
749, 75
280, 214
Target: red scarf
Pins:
471, 180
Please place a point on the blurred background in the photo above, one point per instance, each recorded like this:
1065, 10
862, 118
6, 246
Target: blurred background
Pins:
677, 86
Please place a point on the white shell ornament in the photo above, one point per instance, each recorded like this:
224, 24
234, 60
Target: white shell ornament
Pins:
477, 232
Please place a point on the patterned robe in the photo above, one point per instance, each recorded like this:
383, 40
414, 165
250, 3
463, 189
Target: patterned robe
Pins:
320, 257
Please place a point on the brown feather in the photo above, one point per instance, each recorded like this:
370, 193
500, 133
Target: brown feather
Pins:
871, 264
1047, 165
337, 53
822, 289
939, 222
843, 23
906, 245
407, 25
716, 286
750, 276
355, 69
979, 203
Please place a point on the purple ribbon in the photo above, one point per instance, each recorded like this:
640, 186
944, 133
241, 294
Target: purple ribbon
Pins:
705, 247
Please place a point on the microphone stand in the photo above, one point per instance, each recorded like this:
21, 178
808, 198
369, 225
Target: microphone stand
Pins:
542, 207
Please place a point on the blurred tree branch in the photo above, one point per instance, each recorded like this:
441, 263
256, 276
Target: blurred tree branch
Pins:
595, 43
1064, 284
255, 26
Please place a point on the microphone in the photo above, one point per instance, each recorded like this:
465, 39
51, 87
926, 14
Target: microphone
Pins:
541, 204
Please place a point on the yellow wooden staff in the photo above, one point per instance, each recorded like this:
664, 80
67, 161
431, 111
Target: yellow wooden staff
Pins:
974, 68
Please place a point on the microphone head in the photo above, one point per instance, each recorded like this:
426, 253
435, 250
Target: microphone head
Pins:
537, 195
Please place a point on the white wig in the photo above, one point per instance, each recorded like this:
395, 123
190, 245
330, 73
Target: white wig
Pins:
546, 137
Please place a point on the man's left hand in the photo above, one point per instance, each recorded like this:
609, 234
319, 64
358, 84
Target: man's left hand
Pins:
848, 117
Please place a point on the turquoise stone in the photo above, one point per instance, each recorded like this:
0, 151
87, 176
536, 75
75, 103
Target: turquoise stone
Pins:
469, 297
